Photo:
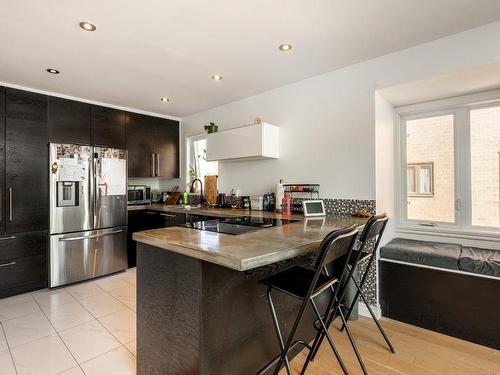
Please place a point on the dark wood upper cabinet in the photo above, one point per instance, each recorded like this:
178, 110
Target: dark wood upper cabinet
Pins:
167, 136
26, 140
69, 121
2, 159
153, 146
108, 127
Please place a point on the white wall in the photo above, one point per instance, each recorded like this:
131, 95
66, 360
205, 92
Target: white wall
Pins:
328, 132
385, 120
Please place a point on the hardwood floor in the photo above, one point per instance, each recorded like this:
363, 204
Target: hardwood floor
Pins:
418, 352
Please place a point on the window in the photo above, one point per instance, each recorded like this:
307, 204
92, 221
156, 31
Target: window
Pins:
199, 167
420, 179
430, 169
450, 166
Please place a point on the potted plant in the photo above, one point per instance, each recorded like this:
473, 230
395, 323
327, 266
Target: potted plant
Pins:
211, 128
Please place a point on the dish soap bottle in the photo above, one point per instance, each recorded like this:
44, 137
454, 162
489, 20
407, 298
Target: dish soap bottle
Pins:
185, 197
286, 204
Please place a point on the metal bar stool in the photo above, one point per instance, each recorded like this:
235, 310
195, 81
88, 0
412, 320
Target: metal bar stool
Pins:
307, 284
369, 242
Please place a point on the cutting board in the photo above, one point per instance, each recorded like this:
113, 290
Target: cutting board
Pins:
210, 189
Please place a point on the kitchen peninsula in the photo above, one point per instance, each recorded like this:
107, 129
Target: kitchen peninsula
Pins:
200, 307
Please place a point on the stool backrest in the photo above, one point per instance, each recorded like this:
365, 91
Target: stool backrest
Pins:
337, 244
372, 233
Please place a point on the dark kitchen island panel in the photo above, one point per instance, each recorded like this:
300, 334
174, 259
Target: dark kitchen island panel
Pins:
195, 317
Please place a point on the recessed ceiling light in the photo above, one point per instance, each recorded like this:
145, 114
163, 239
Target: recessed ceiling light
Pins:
165, 99
53, 71
285, 47
87, 26
216, 77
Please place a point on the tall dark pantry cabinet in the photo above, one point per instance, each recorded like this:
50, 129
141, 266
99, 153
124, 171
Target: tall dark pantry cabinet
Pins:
23, 191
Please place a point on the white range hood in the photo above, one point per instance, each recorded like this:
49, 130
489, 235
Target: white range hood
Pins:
250, 142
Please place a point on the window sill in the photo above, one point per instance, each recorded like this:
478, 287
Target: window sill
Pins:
476, 235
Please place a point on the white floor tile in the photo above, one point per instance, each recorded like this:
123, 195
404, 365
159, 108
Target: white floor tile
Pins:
88, 340
68, 315
46, 356
129, 277
121, 324
117, 362
102, 304
112, 282
3, 341
73, 371
132, 347
51, 298
15, 307
28, 328
126, 294
6, 364
83, 290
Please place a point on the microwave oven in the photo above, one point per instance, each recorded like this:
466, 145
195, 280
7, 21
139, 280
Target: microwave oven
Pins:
139, 194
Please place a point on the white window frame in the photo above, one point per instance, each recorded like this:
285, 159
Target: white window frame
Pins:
460, 107
189, 145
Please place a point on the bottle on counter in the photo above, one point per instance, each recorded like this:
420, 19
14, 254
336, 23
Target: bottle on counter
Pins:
185, 197
265, 202
286, 204
280, 193
272, 202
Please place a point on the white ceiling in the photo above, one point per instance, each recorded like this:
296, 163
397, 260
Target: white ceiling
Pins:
486, 77
143, 50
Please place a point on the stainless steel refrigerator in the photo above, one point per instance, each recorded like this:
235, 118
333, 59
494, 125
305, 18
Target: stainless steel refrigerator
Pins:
88, 212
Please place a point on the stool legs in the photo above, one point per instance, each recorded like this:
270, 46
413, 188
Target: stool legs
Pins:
359, 293
322, 332
278, 332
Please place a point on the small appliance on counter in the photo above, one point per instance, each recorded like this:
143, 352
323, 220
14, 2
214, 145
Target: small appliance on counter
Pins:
222, 200
139, 194
245, 202
257, 203
156, 196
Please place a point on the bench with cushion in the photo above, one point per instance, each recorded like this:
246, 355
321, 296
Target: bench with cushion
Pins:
444, 287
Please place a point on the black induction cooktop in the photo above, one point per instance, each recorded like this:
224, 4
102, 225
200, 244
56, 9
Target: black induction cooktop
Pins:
235, 225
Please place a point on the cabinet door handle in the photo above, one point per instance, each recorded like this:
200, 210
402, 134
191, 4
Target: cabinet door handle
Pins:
157, 165
1, 204
161, 214
153, 170
7, 264
11, 214
7, 238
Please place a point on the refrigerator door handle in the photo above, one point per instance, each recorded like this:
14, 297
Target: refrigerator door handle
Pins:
89, 237
11, 214
157, 165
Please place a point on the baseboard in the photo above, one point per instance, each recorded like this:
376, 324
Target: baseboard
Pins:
363, 310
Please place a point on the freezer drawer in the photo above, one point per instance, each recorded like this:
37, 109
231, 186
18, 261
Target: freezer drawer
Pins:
85, 255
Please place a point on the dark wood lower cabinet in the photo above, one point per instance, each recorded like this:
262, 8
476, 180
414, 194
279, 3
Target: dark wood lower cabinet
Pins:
23, 263
147, 219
